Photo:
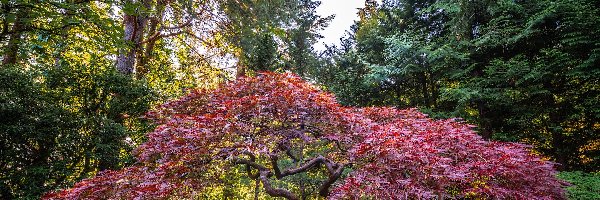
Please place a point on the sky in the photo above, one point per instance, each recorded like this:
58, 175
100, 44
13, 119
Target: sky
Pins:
345, 13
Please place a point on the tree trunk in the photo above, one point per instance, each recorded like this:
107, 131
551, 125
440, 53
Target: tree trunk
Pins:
241, 71
153, 29
134, 26
424, 89
484, 124
126, 59
434, 92
240, 67
14, 40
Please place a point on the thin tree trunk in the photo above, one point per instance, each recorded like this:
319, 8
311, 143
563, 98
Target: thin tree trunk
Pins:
434, 92
241, 71
256, 189
424, 89
484, 125
240, 68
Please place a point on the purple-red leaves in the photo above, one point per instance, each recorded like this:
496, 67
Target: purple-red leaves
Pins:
409, 155
395, 154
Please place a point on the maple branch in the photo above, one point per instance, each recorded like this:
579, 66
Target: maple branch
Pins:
256, 189
288, 152
274, 192
291, 171
339, 146
335, 171
263, 175
158, 35
182, 25
249, 164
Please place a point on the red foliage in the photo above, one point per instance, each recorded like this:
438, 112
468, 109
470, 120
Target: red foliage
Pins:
394, 154
409, 155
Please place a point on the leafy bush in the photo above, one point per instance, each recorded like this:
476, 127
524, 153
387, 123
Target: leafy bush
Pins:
65, 124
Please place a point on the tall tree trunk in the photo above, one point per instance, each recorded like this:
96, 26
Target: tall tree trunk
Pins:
134, 25
240, 67
14, 40
126, 58
153, 30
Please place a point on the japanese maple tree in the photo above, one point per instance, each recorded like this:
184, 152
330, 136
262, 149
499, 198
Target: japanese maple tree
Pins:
275, 127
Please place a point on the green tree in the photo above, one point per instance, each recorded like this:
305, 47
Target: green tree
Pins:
272, 35
67, 112
523, 71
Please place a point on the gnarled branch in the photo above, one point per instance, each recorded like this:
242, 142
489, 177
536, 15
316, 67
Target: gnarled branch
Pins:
274, 192
335, 171
291, 171
264, 173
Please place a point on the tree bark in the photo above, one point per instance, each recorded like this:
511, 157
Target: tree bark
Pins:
424, 89
153, 29
14, 40
241, 71
126, 58
256, 190
134, 25
484, 124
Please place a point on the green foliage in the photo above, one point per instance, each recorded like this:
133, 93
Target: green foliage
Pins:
66, 112
30, 133
61, 125
263, 57
584, 185
274, 35
521, 70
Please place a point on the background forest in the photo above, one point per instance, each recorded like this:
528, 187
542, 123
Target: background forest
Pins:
78, 75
